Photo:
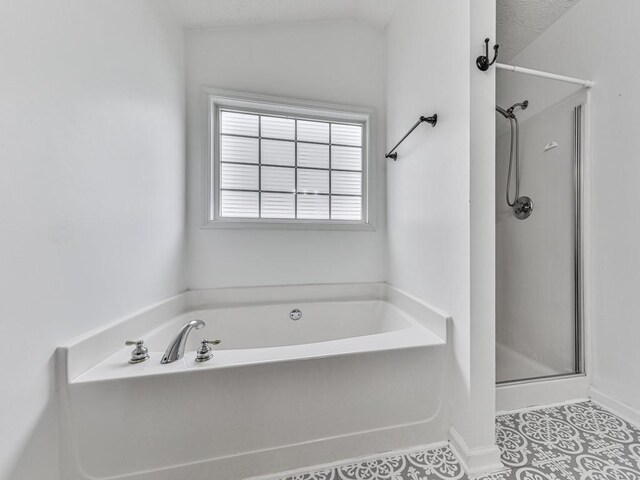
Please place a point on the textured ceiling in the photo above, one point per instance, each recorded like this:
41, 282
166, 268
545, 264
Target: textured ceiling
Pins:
520, 22
225, 13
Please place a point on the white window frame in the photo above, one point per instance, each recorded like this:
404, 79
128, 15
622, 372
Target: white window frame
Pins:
217, 99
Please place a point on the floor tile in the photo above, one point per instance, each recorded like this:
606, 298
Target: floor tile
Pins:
439, 463
575, 441
579, 441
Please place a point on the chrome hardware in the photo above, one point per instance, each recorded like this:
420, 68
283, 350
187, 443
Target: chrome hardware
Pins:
295, 314
205, 353
140, 353
523, 208
175, 350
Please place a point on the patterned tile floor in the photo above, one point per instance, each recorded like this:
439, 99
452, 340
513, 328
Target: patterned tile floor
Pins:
580, 441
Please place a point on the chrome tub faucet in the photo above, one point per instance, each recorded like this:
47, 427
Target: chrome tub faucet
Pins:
175, 350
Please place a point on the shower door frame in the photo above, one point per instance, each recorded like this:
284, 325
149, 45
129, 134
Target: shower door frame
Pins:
580, 154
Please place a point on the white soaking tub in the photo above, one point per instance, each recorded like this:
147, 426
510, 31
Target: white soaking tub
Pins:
348, 378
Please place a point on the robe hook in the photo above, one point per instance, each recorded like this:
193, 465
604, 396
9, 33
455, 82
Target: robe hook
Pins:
482, 61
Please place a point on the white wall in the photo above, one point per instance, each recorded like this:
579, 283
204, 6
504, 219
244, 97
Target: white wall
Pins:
91, 191
607, 55
428, 187
341, 63
430, 220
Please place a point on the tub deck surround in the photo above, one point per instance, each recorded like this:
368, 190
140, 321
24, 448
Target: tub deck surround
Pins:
389, 329
105, 347
361, 372
87, 350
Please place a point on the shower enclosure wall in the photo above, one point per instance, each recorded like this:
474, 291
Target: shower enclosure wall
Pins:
538, 258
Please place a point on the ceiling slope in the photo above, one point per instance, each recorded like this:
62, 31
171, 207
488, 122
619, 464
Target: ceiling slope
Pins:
196, 14
520, 22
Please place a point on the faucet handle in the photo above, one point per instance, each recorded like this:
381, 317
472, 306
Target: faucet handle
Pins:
205, 353
140, 353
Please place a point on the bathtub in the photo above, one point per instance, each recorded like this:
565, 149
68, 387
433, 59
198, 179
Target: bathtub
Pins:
350, 377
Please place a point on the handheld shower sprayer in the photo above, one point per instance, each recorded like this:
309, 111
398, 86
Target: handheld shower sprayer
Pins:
522, 206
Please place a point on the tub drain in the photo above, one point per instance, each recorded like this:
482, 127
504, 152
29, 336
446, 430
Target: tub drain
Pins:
295, 314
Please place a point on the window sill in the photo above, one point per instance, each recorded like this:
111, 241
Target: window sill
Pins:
280, 225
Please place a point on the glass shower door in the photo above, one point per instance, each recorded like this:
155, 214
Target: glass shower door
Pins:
538, 290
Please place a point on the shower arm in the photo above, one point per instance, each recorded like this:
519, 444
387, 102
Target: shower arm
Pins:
432, 120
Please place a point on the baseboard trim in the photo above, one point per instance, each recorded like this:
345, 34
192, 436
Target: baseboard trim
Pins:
340, 463
621, 409
475, 461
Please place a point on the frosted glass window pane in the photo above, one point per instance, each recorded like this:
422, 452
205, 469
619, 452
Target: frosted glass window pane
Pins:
346, 208
313, 131
279, 179
239, 204
239, 123
278, 127
346, 134
275, 152
346, 158
239, 149
243, 177
313, 155
313, 207
313, 181
278, 205
346, 183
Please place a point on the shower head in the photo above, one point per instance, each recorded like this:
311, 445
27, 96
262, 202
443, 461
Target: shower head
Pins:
508, 113
522, 105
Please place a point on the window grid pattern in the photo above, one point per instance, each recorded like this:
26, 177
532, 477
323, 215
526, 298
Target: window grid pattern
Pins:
289, 168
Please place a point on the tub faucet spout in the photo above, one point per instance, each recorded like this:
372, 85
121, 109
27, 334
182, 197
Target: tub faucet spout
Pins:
175, 350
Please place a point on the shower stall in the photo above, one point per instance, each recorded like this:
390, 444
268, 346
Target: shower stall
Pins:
539, 162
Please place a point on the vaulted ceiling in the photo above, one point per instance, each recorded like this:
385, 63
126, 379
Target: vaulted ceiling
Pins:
519, 22
224, 13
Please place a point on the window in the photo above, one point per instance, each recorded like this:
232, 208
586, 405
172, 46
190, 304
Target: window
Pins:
274, 162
